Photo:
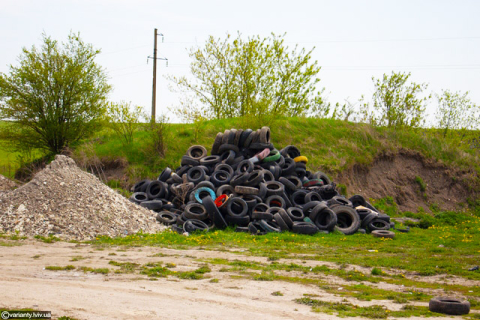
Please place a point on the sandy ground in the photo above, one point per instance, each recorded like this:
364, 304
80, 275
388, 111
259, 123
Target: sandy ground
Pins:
25, 283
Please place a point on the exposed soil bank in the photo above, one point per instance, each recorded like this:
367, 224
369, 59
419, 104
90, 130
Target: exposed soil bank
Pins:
412, 180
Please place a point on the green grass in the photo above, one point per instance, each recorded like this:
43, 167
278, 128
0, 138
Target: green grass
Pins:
49, 239
58, 268
345, 309
451, 244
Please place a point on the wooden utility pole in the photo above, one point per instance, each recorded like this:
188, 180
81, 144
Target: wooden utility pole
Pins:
154, 89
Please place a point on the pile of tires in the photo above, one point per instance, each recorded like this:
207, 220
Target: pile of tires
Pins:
247, 183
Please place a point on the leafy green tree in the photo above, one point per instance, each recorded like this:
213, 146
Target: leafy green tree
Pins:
56, 96
456, 111
124, 119
253, 77
397, 103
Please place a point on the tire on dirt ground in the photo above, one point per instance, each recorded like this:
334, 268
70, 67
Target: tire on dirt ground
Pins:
449, 305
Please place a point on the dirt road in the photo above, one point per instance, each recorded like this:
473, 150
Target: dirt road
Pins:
25, 283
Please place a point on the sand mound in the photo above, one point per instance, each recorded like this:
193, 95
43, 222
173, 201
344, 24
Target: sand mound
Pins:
71, 204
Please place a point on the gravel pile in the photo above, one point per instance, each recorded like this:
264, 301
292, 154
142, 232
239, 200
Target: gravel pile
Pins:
6, 184
69, 203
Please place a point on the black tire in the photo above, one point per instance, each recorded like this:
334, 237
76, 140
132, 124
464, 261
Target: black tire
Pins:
264, 135
237, 221
289, 186
262, 216
358, 200
323, 218
217, 143
166, 173
288, 168
383, 234
267, 176
244, 166
213, 213
449, 305
242, 229
210, 160
290, 151
228, 157
237, 207
255, 229
225, 167
138, 197
176, 178
141, 186
197, 152
281, 223
270, 226
283, 213
248, 140
254, 178
260, 207
195, 211
301, 227
228, 147
339, 200
295, 180
369, 218
378, 224
348, 221
166, 217
298, 198
156, 189
244, 137
312, 196
308, 208
322, 176
220, 177
246, 190
154, 205
238, 134
193, 225
189, 161
275, 201
274, 188
296, 214
225, 189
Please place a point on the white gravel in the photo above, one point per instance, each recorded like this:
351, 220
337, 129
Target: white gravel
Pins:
70, 203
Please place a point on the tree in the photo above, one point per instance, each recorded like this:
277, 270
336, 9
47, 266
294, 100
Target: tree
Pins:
124, 119
396, 103
256, 77
456, 111
56, 96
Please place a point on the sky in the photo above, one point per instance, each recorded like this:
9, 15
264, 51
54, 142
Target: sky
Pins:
437, 41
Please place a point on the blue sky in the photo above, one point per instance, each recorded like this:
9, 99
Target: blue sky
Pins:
437, 41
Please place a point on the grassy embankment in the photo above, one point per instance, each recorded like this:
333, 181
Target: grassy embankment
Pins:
330, 145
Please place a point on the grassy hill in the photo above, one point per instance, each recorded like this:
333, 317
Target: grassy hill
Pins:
330, 145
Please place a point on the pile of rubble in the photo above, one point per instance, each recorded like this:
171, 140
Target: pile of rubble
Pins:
247, 183
6, 184
64, 201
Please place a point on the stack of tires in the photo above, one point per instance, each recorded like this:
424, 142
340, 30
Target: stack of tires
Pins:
247, 183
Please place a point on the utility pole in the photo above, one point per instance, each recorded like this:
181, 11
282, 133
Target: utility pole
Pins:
154, 88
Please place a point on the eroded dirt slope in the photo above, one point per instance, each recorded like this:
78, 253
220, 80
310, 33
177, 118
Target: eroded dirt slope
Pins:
399, 175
